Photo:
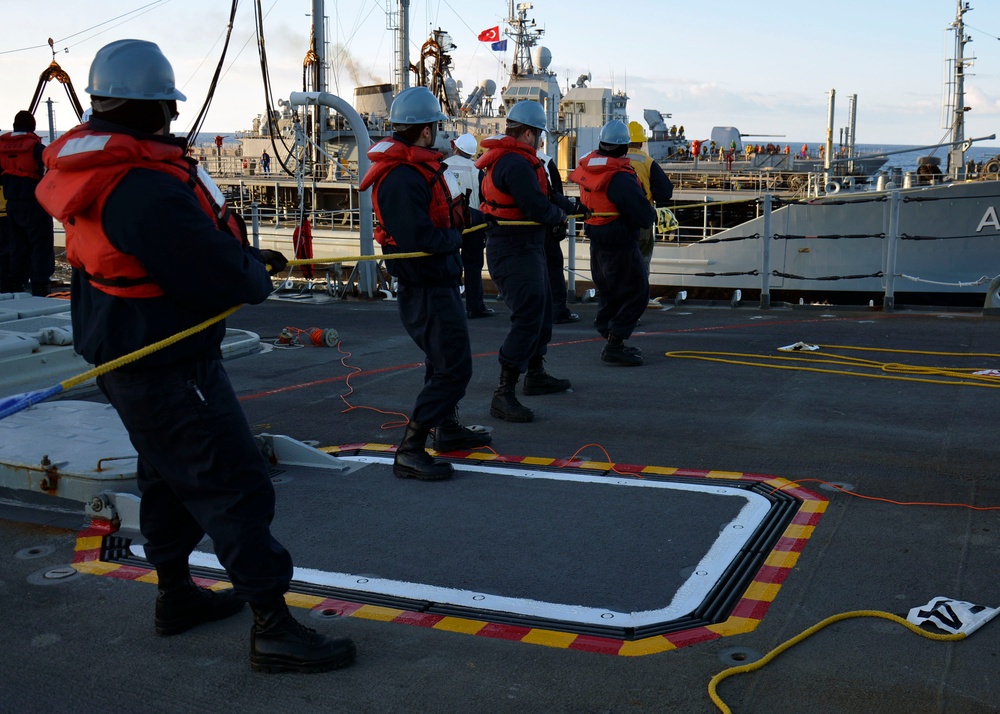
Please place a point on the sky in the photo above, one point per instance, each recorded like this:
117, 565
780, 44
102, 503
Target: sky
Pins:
764, 67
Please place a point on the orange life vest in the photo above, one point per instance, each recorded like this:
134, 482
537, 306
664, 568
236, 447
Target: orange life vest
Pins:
594, 174
390, 153
84, 168
495, 202
17, 154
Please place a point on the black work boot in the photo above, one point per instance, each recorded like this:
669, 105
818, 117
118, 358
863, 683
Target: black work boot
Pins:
617, 352
505, 405
538, 381
412, 459
279, 643
181, 605
451, 435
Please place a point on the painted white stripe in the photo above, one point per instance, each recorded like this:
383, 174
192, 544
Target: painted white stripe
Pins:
733, 536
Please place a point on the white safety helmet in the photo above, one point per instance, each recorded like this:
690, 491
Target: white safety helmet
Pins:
467, 144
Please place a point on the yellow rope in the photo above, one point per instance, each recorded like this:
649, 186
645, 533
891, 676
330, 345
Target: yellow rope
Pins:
961, 376
354, 258
148, 349
741, 669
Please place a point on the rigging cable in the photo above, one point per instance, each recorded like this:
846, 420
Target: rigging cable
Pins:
272, 122
199, 120
144, 8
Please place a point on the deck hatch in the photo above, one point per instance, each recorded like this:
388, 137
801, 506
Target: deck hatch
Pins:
570, 549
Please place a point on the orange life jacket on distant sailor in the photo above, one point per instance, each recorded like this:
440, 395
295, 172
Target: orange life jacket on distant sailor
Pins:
493, 201
84, 168
594, 174
390, 153
17, 154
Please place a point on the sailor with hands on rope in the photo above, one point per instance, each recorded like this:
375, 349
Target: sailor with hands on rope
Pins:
156, 251
417, 213
516, 190
610, 189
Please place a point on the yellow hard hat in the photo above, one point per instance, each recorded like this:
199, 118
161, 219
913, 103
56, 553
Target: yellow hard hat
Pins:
636, 133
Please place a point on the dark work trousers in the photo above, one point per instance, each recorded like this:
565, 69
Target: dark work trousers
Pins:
32, 254
622, 287
517, 266
473, 245
200, 471
554, 267
6, 285
435, 319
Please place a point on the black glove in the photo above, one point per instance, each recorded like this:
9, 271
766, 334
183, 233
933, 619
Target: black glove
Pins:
582, 211
274, 261
557, 233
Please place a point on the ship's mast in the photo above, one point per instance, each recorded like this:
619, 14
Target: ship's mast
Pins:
956, 156
319, 47
524, 36
398, 22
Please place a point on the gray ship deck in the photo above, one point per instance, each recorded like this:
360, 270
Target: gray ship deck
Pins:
85, 642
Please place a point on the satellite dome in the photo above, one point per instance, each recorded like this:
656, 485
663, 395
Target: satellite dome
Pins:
489, 87
542, 57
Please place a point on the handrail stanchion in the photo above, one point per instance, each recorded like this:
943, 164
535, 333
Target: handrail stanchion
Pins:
704, 220
765, 262
889, 301
571, 258
255, 223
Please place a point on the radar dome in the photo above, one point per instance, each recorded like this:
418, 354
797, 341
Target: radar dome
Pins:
489, 87
542, 57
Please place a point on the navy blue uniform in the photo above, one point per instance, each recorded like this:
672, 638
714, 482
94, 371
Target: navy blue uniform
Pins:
29, 233
553, 251
429, 299
616, 264
517, 261
199, 469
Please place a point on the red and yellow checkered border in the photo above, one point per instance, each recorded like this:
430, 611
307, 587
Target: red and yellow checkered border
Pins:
746, 615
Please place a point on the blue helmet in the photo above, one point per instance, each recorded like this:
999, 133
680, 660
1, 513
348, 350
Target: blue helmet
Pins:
615, 132
416, 105
529, 113
132, 69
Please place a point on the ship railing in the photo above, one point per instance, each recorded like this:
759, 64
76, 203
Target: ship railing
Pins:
755, 265
288, 217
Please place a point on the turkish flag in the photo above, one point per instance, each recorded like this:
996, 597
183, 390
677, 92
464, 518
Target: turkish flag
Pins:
490, 35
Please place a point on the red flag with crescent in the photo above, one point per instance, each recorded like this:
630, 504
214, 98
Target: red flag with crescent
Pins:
490, 35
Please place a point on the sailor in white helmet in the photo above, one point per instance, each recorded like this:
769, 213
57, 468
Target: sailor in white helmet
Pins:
463, 179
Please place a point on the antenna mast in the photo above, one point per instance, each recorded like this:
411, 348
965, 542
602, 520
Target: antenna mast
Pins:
398, 22
956, 156
525, 37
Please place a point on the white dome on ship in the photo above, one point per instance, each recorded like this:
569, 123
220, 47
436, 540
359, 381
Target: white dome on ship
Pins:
542, 57
489, 87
